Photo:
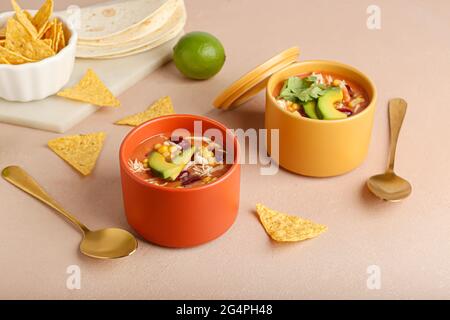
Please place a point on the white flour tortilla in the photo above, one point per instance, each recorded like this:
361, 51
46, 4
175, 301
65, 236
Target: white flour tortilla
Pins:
174, 25
167, 38
107, 20
151, 24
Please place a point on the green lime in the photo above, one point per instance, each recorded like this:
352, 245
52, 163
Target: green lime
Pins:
199, 55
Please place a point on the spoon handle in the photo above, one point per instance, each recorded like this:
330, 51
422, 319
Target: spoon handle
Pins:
397, 111
22, 180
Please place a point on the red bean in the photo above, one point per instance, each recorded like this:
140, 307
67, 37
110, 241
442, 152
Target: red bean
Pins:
349, 89
347, 111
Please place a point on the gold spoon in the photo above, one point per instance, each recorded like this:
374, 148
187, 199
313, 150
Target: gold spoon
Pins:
388, 186
108, 243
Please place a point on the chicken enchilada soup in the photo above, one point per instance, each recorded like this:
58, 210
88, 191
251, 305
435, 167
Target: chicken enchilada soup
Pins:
320, 95
179, 162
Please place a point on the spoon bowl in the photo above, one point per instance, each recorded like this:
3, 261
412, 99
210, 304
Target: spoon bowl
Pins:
108, 243
389, 186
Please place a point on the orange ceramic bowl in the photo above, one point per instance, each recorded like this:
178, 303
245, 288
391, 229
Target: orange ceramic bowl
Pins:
320, 148
179, 217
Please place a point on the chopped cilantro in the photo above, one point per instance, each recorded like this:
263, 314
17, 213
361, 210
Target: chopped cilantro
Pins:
312, 79
301, 90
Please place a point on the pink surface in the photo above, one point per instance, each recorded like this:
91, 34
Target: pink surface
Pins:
409, 241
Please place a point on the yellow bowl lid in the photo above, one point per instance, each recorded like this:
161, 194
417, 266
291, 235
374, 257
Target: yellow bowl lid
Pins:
255, 86
253, 82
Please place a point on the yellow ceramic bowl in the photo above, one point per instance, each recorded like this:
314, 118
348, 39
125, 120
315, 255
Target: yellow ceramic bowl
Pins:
320, 148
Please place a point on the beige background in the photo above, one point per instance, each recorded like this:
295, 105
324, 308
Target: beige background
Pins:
409, 241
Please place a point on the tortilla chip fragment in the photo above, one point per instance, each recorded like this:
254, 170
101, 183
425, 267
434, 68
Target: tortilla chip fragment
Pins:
160, 108
91, 90
287, 228
80, 151
44, 13
24, 20
2, 33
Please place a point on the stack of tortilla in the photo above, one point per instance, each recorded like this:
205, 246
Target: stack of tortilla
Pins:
120, 29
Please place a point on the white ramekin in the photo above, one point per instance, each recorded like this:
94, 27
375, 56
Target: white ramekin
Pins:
38, 80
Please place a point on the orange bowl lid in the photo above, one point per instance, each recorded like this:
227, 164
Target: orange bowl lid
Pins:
254, 81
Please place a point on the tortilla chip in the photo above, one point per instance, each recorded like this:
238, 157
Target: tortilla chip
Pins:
4, 61
59, 32
91, 90
48, 42
54, 32
28, 15
14, 30
160, 108
80, 151
2, 33
48, 30
19, 41
43, 15
13, 57
22, 17
286, 228
62, 40
55, 39
43, 30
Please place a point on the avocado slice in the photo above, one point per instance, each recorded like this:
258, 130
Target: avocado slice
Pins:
326, 104
185, 156
163, 169
310, 109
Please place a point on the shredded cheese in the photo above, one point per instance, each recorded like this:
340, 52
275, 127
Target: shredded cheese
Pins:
136, 166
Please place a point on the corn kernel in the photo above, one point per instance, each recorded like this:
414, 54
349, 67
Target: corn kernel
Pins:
295, 107
336, 82
356, 101
163, 149
166, 154
145, 160
157, 146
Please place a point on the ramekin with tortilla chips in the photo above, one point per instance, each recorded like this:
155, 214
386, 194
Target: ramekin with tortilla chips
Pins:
37, 79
